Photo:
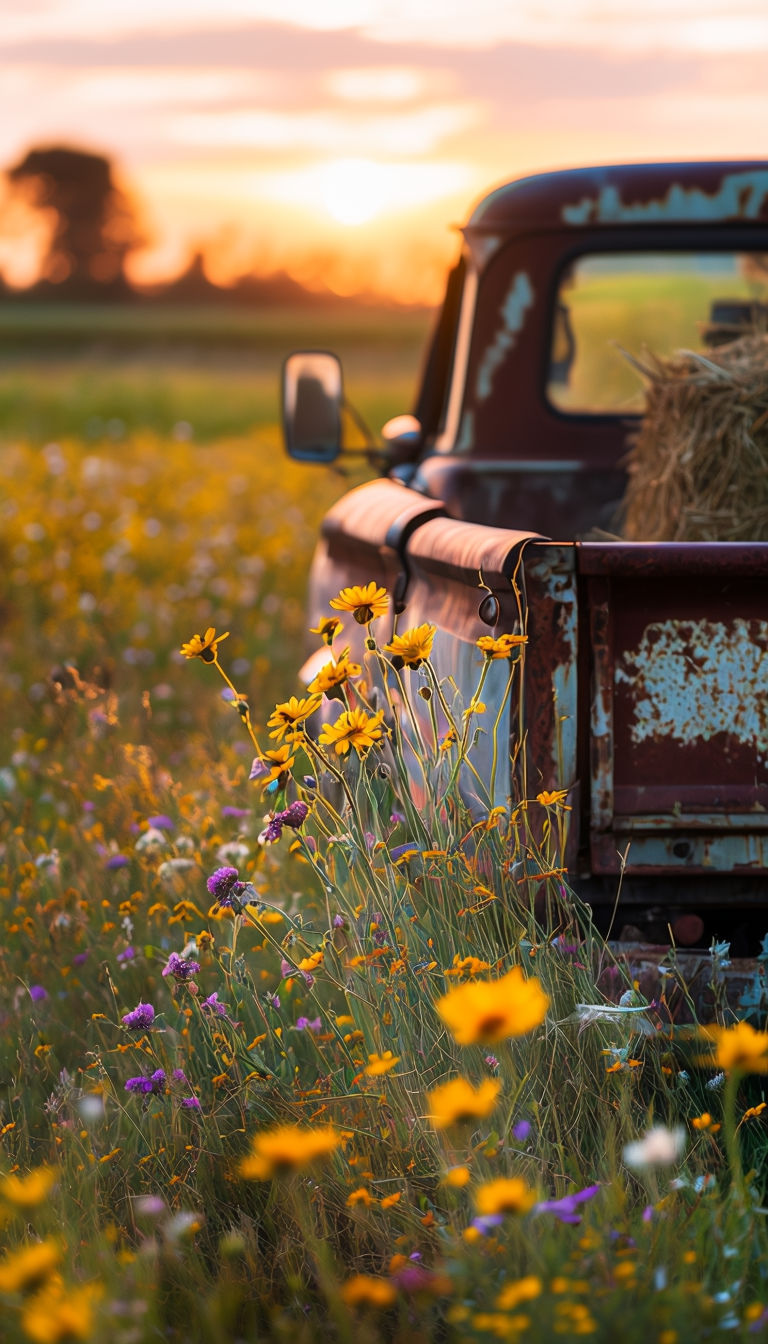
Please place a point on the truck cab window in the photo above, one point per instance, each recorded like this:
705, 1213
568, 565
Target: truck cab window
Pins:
613, 305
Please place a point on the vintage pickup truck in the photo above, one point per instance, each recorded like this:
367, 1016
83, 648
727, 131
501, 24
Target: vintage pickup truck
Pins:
645, 691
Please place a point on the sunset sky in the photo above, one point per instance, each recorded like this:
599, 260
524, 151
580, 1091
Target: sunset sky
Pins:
344, 140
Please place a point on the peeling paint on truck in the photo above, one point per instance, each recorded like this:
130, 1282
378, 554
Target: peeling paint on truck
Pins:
694, 679
513, 310
741, 195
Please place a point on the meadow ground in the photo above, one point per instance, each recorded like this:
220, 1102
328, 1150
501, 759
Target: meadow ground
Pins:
282, 1056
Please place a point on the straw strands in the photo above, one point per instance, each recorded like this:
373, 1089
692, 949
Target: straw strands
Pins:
698, 466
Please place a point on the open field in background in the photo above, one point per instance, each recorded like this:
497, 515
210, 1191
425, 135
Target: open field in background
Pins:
147, 1192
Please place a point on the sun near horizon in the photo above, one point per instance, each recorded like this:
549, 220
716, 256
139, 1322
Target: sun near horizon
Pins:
347, 146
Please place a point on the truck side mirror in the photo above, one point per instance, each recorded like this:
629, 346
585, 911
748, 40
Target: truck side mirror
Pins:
312, 401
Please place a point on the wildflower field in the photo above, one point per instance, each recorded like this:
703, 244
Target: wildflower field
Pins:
283, 1054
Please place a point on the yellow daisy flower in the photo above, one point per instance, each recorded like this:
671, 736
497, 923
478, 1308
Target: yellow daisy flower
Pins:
26, 1192
286, 717
287, 1148
204, 646
493, 1010
59, 1314
353, 728
278, 763
739, 1048
333, 675
366, 603
552, 799
453, 1103
505, 1195
379, 1064
368, 1291
327, 628
413, 647
501, 647
29, 1266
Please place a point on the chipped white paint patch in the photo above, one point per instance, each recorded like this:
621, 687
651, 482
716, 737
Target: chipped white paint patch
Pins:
741, 196
466, 439
483, 247
693, 679
513, 310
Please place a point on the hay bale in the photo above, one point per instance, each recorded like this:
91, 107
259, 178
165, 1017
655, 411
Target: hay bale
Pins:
698, 466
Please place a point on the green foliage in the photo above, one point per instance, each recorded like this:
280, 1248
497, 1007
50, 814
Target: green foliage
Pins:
124, 785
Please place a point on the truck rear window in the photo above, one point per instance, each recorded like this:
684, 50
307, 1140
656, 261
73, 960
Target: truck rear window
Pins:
613, 305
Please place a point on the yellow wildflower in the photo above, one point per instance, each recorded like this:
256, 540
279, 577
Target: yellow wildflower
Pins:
378, 1064
554, 799
360, 1196
55, 1315
413, 647
505, 1195
204, 646
29, 1266
279, 764
739, 1048
26, 1192
493, 1010
501, 647
704, 1122
366, 603
458, 1177
333, 675
353, 728
525, 1290
368, 1291
467, 966
287, 1148
453, 1103
752, 1112
286, 717
327, 628
389, 1200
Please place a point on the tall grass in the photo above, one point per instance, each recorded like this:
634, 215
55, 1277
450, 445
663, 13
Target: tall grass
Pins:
309, 1009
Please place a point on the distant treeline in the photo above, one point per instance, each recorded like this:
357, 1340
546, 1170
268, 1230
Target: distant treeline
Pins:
95, 226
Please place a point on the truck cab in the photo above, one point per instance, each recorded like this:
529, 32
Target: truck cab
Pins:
643, 691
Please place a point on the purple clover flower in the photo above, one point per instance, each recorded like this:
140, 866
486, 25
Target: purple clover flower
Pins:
181, 968
145, 1084
191, 1103
161, 823
140, 1018
521, 1130
293, 817
37, 993
179, 1076
117, 861
565, 1209
212, 1005
224, 885
309, 1024
338, 921
127, 954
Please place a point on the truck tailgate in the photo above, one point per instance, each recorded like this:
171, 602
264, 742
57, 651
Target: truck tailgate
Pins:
678, 692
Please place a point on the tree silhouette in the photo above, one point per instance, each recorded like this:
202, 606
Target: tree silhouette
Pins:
94, 226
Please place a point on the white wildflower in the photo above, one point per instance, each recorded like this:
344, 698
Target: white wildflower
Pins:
660, 1147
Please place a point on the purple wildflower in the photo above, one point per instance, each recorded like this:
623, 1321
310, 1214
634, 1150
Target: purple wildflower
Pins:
295, 815
396, 818
565, 1209
161, 823
521, 1130
179, 1076
259, 768
117, 861
191, 1103
235, 812
492, 1061
273, 1000
212, 1005
80, 958
146, 1085
307, 1024
224, 885
286, 969
487, 1221
181, 968
141, 1017
272, 831
37, 993
338, 921
127, 954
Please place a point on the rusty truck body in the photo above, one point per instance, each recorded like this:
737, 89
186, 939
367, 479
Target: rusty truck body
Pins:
644, 689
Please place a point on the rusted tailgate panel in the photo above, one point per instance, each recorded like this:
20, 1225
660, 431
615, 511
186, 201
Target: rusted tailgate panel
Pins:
679, 706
